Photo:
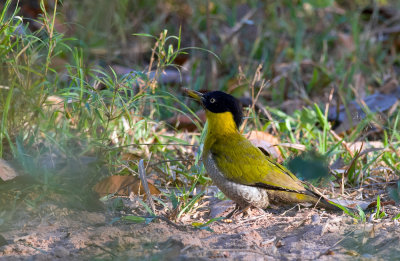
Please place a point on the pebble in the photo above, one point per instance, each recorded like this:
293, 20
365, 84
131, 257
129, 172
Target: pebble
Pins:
60, 252
315, 219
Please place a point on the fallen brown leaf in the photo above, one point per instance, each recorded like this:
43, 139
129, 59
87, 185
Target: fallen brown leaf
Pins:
366, 147
266, 142
6, 171
123, 186
391, 86
359, 86
295, 146
346, 41
130, 156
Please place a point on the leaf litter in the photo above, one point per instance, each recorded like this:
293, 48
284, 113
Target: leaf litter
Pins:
124, 228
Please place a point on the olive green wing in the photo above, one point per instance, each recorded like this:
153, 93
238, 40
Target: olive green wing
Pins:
246, 164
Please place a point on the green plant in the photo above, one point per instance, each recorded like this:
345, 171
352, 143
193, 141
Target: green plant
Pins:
379, 212
205, 225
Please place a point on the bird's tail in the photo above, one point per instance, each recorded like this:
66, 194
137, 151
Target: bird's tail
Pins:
306, 197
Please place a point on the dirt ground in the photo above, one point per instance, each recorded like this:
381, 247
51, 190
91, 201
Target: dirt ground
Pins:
51, 232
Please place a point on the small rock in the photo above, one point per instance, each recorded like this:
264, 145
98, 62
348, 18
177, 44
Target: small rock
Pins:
279, 243
60, 252
332, 229
252, 237
290, 240
185, 240
271, 250
7, 250
368, 227
269, 241
315, 219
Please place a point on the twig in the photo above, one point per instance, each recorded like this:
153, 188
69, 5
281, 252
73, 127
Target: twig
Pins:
344, 144
295, 206
234, 30
391, 30
257, 77
353, 162
153, 52
183, 228
334, 245
329, 101
259, 106
142, 175
166, 161
229, 250
376, 184
102, 248
152, 144
241, 222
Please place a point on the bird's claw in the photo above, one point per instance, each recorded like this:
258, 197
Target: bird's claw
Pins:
238, 210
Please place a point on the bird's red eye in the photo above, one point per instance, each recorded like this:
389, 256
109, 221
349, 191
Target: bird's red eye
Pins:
212, 100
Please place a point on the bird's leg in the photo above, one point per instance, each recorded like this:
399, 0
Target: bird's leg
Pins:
234, 211
237, 210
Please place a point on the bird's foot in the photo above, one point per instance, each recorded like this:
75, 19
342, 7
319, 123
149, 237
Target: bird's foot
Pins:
238, 210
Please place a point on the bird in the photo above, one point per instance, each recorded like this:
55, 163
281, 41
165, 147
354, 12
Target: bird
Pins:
241, 170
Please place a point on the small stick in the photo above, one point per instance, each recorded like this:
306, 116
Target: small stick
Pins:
334, 245
102, 248
230, 250
329, 101
142, 175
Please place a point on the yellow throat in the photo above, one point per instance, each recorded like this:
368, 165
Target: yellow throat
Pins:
220, 126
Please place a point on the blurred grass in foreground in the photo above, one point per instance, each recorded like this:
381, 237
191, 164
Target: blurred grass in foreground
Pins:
83, 111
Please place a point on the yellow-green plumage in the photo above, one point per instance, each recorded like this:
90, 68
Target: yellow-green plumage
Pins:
241, 170
243, 163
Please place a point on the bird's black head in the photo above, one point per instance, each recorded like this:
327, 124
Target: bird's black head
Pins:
218, 102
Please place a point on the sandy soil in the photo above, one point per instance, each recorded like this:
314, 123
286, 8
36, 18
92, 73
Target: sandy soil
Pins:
51, 232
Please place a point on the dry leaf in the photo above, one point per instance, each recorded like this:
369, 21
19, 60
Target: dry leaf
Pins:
266, 142
295, 146
130, 156
352, 203
55, 103
6, 171
122, 186
376, 102
366, 147
391, 86
384, 203
359, 86
346, 41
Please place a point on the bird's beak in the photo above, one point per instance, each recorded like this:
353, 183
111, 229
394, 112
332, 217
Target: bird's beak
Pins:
194, 94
